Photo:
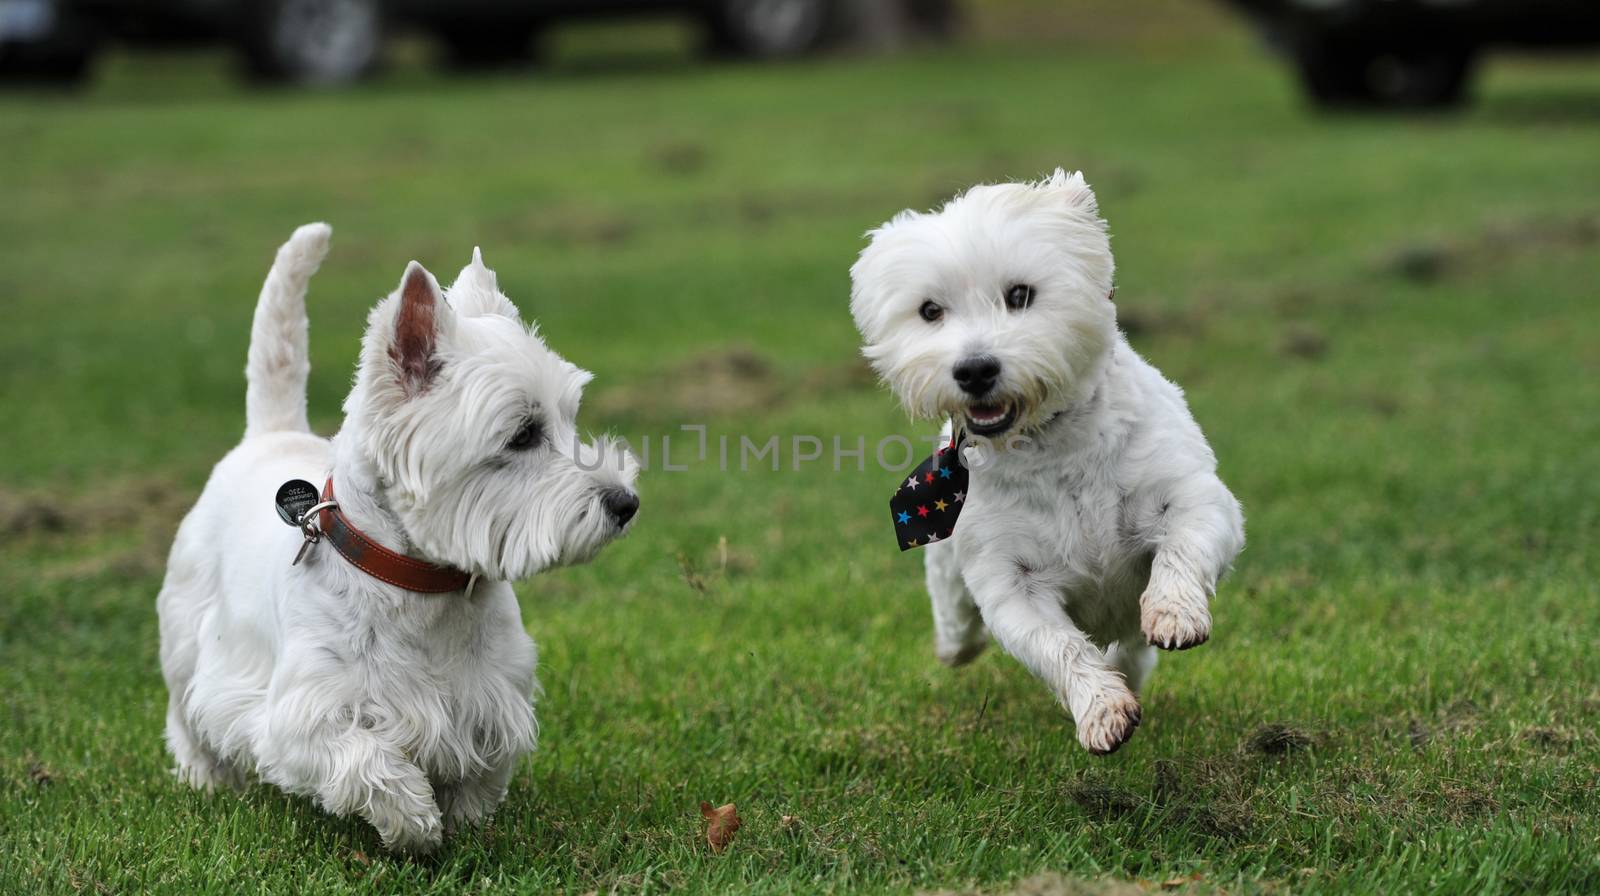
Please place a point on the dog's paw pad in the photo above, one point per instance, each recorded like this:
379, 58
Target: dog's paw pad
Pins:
1176, 627
1108, 723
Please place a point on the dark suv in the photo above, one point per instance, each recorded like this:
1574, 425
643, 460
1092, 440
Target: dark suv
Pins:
1411, 52
334, 41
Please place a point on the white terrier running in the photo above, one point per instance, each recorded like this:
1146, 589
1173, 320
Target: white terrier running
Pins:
387, 672
1094, 525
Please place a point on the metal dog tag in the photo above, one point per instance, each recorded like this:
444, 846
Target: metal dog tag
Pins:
295, 497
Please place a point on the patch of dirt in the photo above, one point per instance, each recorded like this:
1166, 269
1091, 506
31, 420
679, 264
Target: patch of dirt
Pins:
727, 382
569, 226
1427, 262
1458, 716
1051, 884
21, 515
1204, 797
1102, 801
1304, 342
1463, 802
730, 381
680, 158
1145, 322
110, 507
1550, 740
1279, 740
148, 509
1420, 262
40, 774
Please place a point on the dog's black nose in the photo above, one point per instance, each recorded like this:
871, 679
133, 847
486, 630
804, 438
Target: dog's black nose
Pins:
621, 504
976, 376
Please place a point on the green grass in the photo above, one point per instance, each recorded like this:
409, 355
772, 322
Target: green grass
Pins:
1401, 694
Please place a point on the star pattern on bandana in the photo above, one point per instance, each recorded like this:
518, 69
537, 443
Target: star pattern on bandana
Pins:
921, 518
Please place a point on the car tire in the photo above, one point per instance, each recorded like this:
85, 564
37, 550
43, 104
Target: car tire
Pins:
772, 29
938, 19
63, 59
1345, 76
312, 42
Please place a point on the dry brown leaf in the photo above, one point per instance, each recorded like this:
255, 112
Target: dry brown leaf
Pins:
721, 824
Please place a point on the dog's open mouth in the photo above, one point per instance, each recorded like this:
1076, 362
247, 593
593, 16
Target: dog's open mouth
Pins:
990, 419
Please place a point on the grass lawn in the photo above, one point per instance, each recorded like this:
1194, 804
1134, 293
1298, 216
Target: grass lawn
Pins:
1387, 326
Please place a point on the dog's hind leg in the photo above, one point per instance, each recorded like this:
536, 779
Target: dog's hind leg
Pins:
958, 634
196, 764
185, 600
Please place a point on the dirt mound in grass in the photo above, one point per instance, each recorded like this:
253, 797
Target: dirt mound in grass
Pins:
727, 382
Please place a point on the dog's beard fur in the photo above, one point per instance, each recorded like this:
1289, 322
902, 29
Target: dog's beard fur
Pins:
964, 257
436, 432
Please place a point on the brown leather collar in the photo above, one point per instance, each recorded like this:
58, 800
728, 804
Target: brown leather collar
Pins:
381, 563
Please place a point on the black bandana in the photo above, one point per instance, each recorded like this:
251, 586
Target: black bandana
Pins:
927, 504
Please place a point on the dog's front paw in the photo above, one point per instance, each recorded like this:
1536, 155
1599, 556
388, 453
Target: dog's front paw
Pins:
1174, 624
413, 836
959, 653
1109, 721
407, 821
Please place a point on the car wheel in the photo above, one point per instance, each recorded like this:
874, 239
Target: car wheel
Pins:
59, 53
935, 18
770, 29
1432, 77
313, 41
1410, 77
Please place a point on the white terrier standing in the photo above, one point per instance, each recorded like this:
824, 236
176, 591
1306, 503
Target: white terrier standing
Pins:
1094, 524
386, 672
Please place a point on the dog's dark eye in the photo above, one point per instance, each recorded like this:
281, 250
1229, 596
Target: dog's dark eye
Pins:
1019, 296
526, 437
931, 311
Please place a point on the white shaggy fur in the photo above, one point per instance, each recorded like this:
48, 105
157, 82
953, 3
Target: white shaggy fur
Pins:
1095, 524
407, 709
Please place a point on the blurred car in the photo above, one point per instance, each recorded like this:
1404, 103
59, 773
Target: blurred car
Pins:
39, 42
337, 41
1410, 53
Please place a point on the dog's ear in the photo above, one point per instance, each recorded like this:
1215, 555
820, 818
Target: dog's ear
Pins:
476, 292
1071, 189
414, 350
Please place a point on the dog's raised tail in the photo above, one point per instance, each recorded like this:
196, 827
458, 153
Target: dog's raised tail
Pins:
280, 357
